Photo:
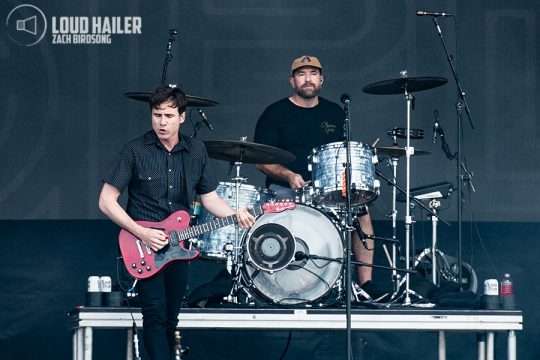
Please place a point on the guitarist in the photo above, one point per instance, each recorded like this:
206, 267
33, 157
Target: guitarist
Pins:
162, 171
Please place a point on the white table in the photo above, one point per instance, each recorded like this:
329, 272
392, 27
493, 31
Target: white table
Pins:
83, 320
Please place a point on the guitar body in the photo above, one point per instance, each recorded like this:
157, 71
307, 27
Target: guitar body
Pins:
142, 262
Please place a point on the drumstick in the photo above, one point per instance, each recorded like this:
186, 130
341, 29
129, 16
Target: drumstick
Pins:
388, 256
375, 143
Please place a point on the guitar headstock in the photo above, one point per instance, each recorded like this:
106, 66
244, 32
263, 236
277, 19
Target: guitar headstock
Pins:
278, 206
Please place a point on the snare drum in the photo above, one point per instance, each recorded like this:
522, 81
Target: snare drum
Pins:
328, 174
212, 243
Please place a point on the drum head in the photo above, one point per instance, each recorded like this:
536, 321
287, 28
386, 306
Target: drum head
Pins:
303, 279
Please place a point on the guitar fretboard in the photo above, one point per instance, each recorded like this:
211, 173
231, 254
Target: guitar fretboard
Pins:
194, 231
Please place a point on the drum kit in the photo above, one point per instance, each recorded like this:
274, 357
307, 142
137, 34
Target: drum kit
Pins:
298, 257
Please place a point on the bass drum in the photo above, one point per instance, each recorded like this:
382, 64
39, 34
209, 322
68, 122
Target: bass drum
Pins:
279, 256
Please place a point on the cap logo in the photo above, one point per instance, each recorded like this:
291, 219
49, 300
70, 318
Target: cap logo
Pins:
305, 59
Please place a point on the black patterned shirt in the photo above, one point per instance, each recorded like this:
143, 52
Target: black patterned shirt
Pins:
156, 178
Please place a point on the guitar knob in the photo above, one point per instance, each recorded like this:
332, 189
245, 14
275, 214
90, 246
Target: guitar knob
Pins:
134, 265
148, 268
143, 262
139, 271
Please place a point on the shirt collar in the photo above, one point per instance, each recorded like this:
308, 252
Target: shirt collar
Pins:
151, 138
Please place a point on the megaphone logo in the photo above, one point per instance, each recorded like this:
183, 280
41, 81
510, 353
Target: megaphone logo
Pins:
26, 25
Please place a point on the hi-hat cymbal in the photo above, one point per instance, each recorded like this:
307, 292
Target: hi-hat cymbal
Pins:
247, 152
194, 101
396, 151
398, 86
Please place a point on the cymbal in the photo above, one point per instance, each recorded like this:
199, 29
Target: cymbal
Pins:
398, 86
247, 152
194, 101
396, 151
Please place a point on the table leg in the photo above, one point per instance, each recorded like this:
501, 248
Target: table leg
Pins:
512, 347
87, 343
442, 346
490, 346
481, 341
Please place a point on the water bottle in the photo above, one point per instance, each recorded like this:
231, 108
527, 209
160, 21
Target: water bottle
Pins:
507, 293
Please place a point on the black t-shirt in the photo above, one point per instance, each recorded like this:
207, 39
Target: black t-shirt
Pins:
298, 130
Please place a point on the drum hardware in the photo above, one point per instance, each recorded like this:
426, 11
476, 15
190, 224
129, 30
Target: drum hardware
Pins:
432, 193
399, 282
397, 132
406, 85
428, 192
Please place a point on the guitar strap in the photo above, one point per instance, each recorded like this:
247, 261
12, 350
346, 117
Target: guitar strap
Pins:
186, 163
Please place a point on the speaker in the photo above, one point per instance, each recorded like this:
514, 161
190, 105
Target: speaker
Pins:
28, 25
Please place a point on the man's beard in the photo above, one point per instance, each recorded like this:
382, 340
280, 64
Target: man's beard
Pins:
309, 94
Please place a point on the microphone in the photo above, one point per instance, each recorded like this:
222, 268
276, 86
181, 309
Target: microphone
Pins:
361, 235
205, 119
435, 126
173, 32
300, 255
345, 99
436, 14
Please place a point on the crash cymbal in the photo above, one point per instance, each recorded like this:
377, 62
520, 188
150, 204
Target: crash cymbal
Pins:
194, 101
396, 151
247, 152
398, 86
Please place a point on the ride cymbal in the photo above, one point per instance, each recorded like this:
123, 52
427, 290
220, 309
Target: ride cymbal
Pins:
247, 152
398, 86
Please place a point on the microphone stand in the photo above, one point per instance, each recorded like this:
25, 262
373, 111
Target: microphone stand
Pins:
348, 224
168, 55
461, 105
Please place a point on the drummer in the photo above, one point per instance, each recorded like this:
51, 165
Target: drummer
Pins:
298, 124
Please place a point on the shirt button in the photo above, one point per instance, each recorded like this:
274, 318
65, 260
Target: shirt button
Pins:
170, 203
149, 178
170, 186
170, 170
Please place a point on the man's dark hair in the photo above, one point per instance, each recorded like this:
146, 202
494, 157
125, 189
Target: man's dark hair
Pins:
163, 93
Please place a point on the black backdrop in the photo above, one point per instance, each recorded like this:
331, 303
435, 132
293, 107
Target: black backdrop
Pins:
64, 117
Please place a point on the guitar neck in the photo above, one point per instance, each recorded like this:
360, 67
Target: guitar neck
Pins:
194, 231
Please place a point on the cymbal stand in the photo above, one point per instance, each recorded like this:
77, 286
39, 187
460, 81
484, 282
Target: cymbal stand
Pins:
394, 162
408, 218
233, 250
395, 276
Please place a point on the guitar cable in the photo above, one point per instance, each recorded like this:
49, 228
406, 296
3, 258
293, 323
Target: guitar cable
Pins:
119, 266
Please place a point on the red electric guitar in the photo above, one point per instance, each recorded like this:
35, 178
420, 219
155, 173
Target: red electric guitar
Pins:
142, 262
